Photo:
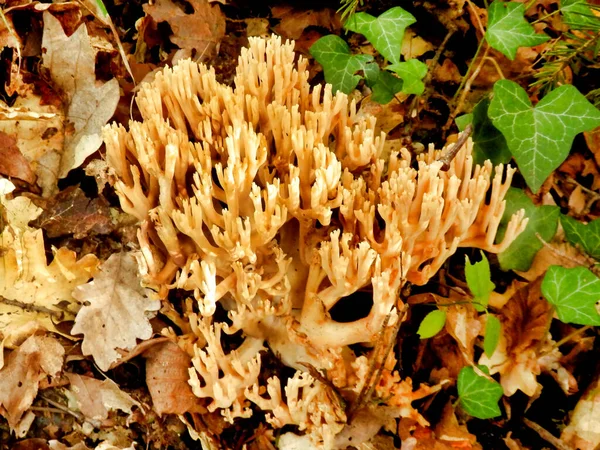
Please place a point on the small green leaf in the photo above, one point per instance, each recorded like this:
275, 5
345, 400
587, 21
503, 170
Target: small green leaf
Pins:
574, 293
508, 30
578, 15
585, 236
386, 86
432, 324
479, 281
412, 73
493, 330
478, 395
384, 32
543, 221
540, 138
488, 142
340, 66
463, 121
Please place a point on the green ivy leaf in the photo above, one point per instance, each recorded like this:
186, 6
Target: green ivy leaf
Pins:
412, 73
479, 281
340, 66
385, 87
578, 15
493, 330
478, 395
585, 236
540, 138
384, 32
488, 142
508, 30
432, 324
574, 293
543, 220
463, 121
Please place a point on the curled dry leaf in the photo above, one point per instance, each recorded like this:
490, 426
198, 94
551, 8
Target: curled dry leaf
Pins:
88, 104
114, 312
95, 398
167, 378
525, 323
37, 358
293, 21
200, 31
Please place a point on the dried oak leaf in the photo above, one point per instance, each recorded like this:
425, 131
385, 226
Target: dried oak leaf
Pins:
37, 358
71, 212
202, 30
33, 293
525, 321
71, 62
95, 398
167, 375
12, 162
114, 312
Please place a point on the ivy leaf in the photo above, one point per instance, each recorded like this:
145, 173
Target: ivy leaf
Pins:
384, 32
488, 142
586, 236
386, 86
578, 15
478, 395
540, 137
340, 66
412, 73
508, 30
479, 281
543, 220
493, 329
574, 293
432, 324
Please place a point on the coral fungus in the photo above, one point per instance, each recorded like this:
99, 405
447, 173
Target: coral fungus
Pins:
271, 200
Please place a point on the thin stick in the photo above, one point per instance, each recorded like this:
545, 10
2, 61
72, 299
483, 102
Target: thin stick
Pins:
462, 139
546, 435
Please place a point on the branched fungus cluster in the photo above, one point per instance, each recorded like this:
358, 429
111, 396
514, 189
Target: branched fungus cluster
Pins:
270, 201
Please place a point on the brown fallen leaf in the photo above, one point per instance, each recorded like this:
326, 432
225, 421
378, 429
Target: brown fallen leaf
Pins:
525, 323
114, 312
197, 34
167, 378
71, 212
12, 161
37, 358
96, 398
293, 21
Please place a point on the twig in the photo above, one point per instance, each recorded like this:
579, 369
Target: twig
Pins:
61, 408
31, 307
462, 139
546, 435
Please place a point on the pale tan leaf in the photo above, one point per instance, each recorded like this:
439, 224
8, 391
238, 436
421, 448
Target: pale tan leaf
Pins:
583, 431
114, 312
37, 358
95, 398
71, 63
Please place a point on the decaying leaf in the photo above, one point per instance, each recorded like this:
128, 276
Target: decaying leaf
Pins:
200, 31
583, 431
71, 212
95, 398
89, 104
293, 21
114, 312
167, 375
37, 358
